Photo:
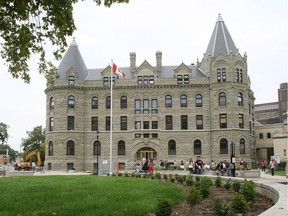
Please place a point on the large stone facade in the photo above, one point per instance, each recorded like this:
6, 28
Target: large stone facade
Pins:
158, 112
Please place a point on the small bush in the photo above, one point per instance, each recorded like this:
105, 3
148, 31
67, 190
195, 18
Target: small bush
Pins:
204, 186
172, 179
165, 176
113, 174
119, 174
239, 204
227, 185
248, 189
164, 207
194, 196
126, 174
158, 175
220, 208
218, 181
197, 178
189, 180
236, 186
132, 174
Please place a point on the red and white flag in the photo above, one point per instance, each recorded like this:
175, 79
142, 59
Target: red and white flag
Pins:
118, 71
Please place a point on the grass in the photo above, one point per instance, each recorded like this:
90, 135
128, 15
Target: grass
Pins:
83, 195
277, 172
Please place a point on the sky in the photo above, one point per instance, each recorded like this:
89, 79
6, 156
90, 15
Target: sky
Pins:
180, 29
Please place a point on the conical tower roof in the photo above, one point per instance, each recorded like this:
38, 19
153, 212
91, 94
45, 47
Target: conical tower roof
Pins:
221, 40
72, 58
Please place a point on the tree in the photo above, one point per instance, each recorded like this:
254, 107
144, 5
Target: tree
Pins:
26, 25
34, 142
11, 152
3, 133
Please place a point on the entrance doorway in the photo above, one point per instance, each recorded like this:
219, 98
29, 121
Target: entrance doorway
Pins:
147, 153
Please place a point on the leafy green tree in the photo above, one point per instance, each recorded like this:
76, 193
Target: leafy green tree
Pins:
11, 152
35, 142
26, 25
4, 133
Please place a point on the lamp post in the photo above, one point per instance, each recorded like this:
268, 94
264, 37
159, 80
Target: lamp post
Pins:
232, 158
97, 145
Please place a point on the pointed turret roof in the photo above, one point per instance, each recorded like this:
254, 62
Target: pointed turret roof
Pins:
72, 58
221, 40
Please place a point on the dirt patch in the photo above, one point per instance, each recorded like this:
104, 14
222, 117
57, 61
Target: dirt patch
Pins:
204, 208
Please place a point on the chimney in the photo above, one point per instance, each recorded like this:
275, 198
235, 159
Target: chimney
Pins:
133, 61
158, 60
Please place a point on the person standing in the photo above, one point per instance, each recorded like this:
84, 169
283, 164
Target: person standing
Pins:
33, 167
272, 166
42, 167
190, 166
263, 166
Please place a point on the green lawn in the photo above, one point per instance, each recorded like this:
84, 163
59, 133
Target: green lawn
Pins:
83, 195
277, 172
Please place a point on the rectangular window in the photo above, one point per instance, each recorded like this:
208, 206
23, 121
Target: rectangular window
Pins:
151, 80
51, 124
241, 121
105, 81
123, 123
199, 122
154, 124
137, 125
71, 80
169, 124
139, 80
184, 122
70, 123
145, 80
145, 106
154, 135
107, 125
219, 75
137, 135
94, 124
223, 120
179, 79
154, 106
146, 124
137, 106
146, 135
186, 79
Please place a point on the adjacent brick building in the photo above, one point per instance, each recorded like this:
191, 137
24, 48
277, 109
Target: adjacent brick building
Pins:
159, 112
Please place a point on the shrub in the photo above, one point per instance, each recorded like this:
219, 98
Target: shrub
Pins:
119, 174
197, 178
239, 204
227, 185
218, 181
145, 175
132, 174
113, 174
194, 196
164, 207
126, 174
189, 180
165, 176
220, 208
204, 186
236, 186
248, 189
158, 175
172, 179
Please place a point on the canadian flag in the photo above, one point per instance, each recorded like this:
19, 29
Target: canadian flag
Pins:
118, 71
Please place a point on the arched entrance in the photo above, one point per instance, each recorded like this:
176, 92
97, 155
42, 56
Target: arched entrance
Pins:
147, 153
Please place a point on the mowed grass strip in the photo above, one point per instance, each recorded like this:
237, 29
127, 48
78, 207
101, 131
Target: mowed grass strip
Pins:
83, 195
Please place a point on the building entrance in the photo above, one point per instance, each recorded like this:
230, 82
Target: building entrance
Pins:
146, 153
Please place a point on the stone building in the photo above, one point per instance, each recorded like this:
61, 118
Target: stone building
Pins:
271, 127
158, 112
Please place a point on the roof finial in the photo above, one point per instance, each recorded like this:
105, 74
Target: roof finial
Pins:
219, 19
73, 43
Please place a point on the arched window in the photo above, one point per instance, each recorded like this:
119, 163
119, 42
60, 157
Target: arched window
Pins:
171, 147
108, 102
51, 103
168, 101
240, 99
183, 101
94, 103
71, 101
121, 147
223, 146
242, 146
123, 102
197, 147
261, 136
50, 148
268, 135
198, 100
222, 99
97, 148
70, 147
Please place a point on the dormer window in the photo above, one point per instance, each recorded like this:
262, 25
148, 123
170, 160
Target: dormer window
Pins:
71, 80
239, 75
183, 79
145, 80
105, 81
221, 74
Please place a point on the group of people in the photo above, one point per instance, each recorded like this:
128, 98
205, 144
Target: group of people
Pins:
271, 165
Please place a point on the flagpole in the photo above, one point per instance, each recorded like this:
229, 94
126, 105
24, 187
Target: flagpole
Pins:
111, 120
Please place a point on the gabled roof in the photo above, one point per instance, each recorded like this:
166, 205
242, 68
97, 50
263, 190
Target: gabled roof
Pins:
72, 58
220, 41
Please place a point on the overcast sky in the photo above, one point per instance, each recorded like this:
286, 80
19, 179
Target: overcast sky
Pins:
180, 29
